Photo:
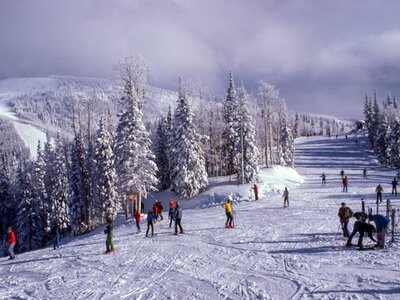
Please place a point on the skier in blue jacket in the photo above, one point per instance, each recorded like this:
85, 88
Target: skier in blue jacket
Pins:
381, 223
151, 218
178, 218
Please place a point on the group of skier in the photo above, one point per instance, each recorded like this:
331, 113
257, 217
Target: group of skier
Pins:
361, 226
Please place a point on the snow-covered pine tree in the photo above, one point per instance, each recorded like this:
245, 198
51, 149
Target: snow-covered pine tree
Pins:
375, 118
369, 121
78, 186
247, 154
394, 144
40, 214
161, 152
188, 170
107, 199
7, 207
287, 143
24, 215
60, 212
296, 126
230, 133
382, 149
135, 164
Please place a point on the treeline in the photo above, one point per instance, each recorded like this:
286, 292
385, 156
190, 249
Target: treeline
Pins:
383, 125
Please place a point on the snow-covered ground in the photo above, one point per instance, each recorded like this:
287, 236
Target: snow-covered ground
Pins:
272, 253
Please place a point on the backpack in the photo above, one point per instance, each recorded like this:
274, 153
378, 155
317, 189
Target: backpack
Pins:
347, 213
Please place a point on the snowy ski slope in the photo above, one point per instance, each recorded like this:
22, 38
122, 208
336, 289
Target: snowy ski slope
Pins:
273, 253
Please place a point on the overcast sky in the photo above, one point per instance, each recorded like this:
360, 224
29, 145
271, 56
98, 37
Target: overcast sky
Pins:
323, 56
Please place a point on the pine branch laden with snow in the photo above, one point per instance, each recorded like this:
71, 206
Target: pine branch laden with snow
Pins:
135, 164
188, 171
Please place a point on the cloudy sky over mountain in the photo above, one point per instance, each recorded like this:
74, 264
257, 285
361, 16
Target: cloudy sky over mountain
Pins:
322, 55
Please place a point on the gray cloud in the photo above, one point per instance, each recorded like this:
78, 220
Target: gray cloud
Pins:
323, 55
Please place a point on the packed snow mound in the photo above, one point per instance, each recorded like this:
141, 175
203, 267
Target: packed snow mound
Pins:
272, 180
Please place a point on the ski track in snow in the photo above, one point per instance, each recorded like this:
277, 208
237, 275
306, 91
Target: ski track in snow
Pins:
272, 253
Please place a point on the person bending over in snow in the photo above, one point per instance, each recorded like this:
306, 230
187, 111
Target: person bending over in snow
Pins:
11, 241
361, 227
345, 213
150, 219
137, 219
109, 231
285, 197
228, 210
178, 218
381, 223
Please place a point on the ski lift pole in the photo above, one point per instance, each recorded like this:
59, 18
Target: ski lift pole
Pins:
388, 208
363, 206
393, 223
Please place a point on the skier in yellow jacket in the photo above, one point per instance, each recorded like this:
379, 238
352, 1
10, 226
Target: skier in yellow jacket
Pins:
228, 210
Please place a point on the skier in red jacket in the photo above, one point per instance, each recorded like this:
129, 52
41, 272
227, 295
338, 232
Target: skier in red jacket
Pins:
137, 219
11, 241
255, 188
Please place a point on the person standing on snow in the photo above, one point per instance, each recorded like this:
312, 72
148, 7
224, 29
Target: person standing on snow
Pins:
137, 219
345, 213
285, 197
255, 189
109, 231
394, 186
228, 210
160, 209
341, 174
378, 192
171, 213
345, 182
381, 223
323, 176
178, 218
150, 219
155, 209
365, 173
11, 241
55, 236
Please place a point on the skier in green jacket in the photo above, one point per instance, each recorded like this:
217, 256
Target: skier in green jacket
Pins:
109, 231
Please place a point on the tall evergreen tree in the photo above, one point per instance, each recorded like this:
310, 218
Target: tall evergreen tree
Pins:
394, 145
230, 133
7, 205
24, 212
287, 143
248, 156
188, 172
78, 182
60, 212
134, 159
369, 121
296, 126
161, 152
382, 149
38, 202
107, 195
